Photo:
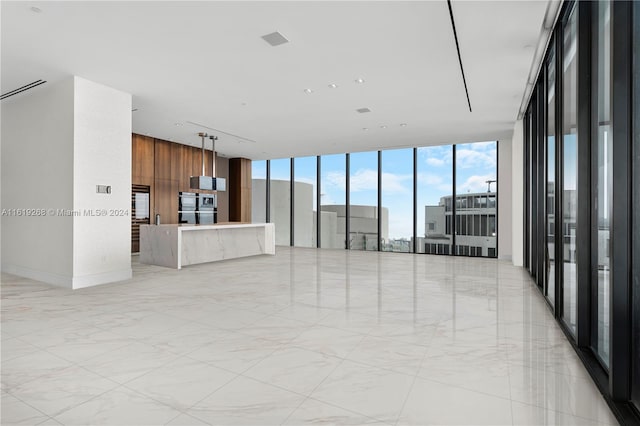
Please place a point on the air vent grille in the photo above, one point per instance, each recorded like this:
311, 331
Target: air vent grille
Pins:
22, 89
275, 39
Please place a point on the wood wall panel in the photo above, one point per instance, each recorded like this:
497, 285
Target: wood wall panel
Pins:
163, 198
166, 167
142, 160
177, 167
187, 161
163, 160
222, 170
239, 190
196, 164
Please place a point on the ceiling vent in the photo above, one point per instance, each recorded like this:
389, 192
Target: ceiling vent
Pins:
363, 110
22, 89
275, 39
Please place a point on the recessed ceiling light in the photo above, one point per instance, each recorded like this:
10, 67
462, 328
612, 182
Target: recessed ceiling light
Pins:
365, 128
333, 85
359, 80
383, 127
179, 124
403, 124
363, 110
275, 39
308, 91
36, 9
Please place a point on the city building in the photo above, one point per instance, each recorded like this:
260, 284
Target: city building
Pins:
475, 225
393, 212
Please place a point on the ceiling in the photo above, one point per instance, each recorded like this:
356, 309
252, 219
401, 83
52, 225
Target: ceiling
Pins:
205, 62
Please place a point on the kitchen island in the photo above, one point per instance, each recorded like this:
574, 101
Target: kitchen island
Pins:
175, 246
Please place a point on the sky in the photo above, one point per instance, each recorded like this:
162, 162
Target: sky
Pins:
476, 163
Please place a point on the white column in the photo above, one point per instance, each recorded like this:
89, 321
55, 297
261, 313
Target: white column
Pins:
517, 151
505, 196
59, 142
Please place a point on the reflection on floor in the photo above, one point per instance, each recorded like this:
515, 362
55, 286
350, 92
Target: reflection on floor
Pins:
306, 336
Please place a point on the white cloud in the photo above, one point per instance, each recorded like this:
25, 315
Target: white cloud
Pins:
435, 162
469, 158
363, 180
336, 180
476, 183
394, 183
429, 179
367, 180
482, 146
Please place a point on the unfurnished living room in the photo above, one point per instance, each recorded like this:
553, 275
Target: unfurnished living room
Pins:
320, 212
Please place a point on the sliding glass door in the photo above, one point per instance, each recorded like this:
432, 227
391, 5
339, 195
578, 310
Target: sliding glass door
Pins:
635, 216
550, 265
604, 176
570, 173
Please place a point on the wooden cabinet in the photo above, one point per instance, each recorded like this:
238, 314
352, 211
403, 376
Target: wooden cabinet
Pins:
165, 167
239, 187
142, 160
222, 170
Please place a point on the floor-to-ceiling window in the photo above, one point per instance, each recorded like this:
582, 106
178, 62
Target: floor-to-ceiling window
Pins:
304, 196
258, 191
570, 171
280, 199
434, 209
582, 185
604, 176
635, 217
551, 176
333, 180
363, 198
476, 199
397, 200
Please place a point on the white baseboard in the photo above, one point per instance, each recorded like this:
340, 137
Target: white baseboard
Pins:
68, 281
33, 274
103, 278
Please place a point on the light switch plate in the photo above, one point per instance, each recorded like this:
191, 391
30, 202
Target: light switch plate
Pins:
103, 189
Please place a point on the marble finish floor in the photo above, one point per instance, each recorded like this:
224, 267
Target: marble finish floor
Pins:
304, 337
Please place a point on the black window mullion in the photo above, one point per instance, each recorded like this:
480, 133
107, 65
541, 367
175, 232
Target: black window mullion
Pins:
584, 187
541, 236
620, 318
292, 195
318, 200
347, 207
268, 193
559, 175
415, 200
379, 201
454, 200
533, 247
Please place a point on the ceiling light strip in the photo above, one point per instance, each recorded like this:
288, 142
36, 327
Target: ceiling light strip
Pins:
22, 89
455, 36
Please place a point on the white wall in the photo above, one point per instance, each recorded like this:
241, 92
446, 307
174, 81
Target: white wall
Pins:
37, 173
102, 156
517, 161
505, 197
59, 142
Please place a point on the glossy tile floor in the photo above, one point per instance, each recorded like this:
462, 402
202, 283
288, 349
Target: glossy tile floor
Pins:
306, 336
